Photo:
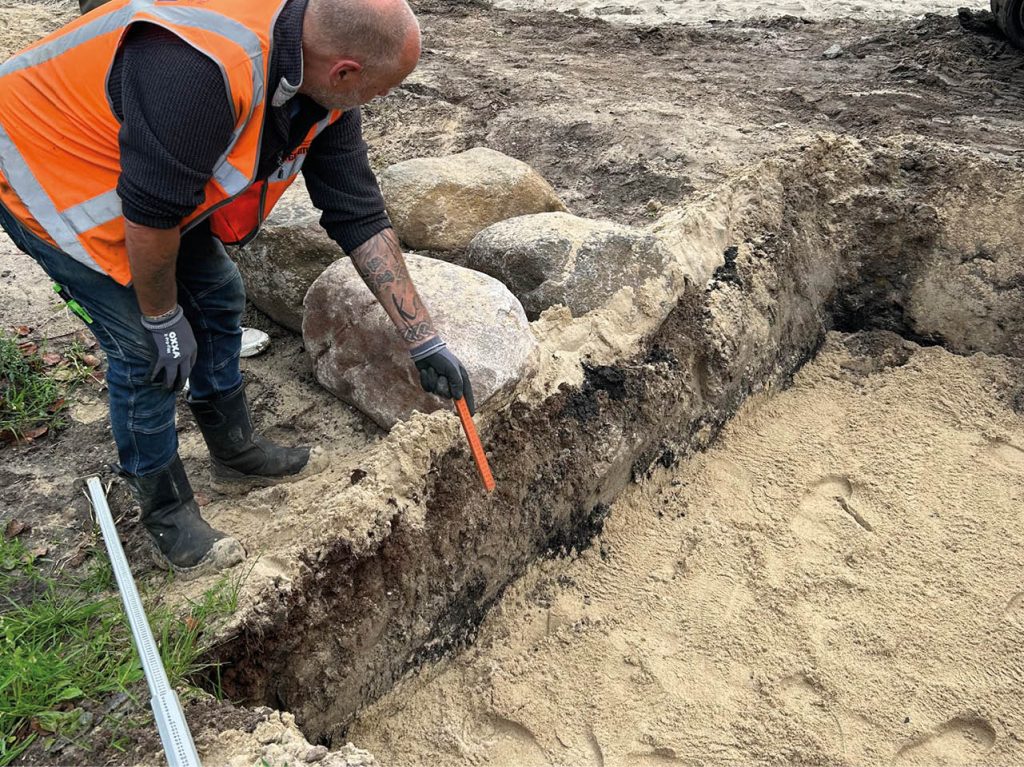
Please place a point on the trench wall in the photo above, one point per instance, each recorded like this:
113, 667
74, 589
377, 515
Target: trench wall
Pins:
906, 236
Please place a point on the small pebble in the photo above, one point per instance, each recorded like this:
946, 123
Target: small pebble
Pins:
315, 754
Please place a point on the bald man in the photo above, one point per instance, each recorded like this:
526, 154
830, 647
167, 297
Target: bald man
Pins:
201, 91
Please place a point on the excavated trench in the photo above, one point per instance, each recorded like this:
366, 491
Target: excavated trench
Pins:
908, 236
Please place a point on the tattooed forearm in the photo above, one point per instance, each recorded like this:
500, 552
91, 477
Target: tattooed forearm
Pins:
414, 335
380, 263
400, 306
377, 272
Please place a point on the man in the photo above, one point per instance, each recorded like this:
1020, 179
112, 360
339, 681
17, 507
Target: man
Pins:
138, 139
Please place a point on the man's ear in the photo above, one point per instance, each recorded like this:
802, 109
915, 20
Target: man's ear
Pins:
344, 67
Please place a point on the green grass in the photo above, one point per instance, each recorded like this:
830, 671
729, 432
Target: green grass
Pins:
35, 382
15, 564
181, 640
29, 398
69, 642
78, 364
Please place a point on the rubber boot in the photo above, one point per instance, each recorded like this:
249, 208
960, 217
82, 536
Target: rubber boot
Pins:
184, 541
242, 459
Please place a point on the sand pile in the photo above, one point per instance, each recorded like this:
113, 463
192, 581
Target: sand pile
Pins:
837, 582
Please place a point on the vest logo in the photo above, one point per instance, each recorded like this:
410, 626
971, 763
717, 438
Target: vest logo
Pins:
304, 149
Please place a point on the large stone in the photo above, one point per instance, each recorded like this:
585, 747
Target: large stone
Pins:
358, 355
441, 203
289, 253
556, 258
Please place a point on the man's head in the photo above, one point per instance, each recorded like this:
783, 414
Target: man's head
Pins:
355, 50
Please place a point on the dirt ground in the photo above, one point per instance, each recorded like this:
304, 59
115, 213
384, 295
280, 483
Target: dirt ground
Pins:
833, 540
836, 582
627, 121
653, 115
648, 12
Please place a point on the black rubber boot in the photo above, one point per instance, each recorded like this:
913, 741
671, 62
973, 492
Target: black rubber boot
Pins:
184, 540
241, 458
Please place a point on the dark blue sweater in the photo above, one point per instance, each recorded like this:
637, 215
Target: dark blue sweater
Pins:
176, 121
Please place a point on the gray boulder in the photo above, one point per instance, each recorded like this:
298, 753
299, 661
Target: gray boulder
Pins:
441, 203
358, 355
556, 258
286, 256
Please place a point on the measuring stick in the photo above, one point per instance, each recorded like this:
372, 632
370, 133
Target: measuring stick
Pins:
179, 748
474, 444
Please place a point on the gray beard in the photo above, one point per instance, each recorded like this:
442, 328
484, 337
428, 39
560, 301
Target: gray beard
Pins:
331, 100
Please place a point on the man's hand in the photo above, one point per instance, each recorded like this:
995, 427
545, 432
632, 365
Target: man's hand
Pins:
441, 373
176, 348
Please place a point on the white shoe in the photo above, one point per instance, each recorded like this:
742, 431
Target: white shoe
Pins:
254, 342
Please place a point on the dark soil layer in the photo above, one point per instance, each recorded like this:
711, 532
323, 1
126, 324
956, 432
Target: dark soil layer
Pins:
847, 215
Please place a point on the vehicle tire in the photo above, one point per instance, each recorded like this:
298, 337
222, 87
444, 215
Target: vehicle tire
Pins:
1010, 19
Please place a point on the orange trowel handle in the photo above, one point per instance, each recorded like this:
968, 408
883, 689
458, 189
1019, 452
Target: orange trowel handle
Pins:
474, 444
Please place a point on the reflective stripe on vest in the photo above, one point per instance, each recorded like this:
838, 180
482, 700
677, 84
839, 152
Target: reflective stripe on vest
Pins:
290, 169
38, 202
239, 221
64, 227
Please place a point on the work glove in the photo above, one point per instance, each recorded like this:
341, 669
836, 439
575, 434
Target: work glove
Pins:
441, 373
176, 348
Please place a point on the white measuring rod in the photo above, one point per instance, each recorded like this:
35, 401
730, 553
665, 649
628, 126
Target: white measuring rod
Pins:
179, 748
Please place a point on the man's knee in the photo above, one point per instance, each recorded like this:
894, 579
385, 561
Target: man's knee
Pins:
234, 289
234, 292
219, 308
210, 284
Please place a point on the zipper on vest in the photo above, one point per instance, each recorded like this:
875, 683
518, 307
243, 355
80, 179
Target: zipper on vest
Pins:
263, 203
260, 218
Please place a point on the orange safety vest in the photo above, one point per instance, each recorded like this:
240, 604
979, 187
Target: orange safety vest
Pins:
59, 155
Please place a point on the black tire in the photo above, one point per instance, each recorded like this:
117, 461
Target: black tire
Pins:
1010, 19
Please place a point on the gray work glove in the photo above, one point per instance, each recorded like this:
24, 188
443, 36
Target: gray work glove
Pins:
441, 373
176, 348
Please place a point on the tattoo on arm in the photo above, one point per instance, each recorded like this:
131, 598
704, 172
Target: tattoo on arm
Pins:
380, 263
400, 306
417, 334
378, 272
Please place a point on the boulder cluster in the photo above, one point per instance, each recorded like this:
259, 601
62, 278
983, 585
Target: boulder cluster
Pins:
494, 246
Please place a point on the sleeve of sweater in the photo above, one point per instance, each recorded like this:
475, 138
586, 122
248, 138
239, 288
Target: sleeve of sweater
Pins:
342, 185
176, 122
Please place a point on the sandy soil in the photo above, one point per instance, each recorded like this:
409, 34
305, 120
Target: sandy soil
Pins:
766, 623
837, 582
645, 12
28, 20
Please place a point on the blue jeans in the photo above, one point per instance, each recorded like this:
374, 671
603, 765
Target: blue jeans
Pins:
211, 293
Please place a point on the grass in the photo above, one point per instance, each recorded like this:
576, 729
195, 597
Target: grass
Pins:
29, 398
15, 564
34, 385
68, 642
